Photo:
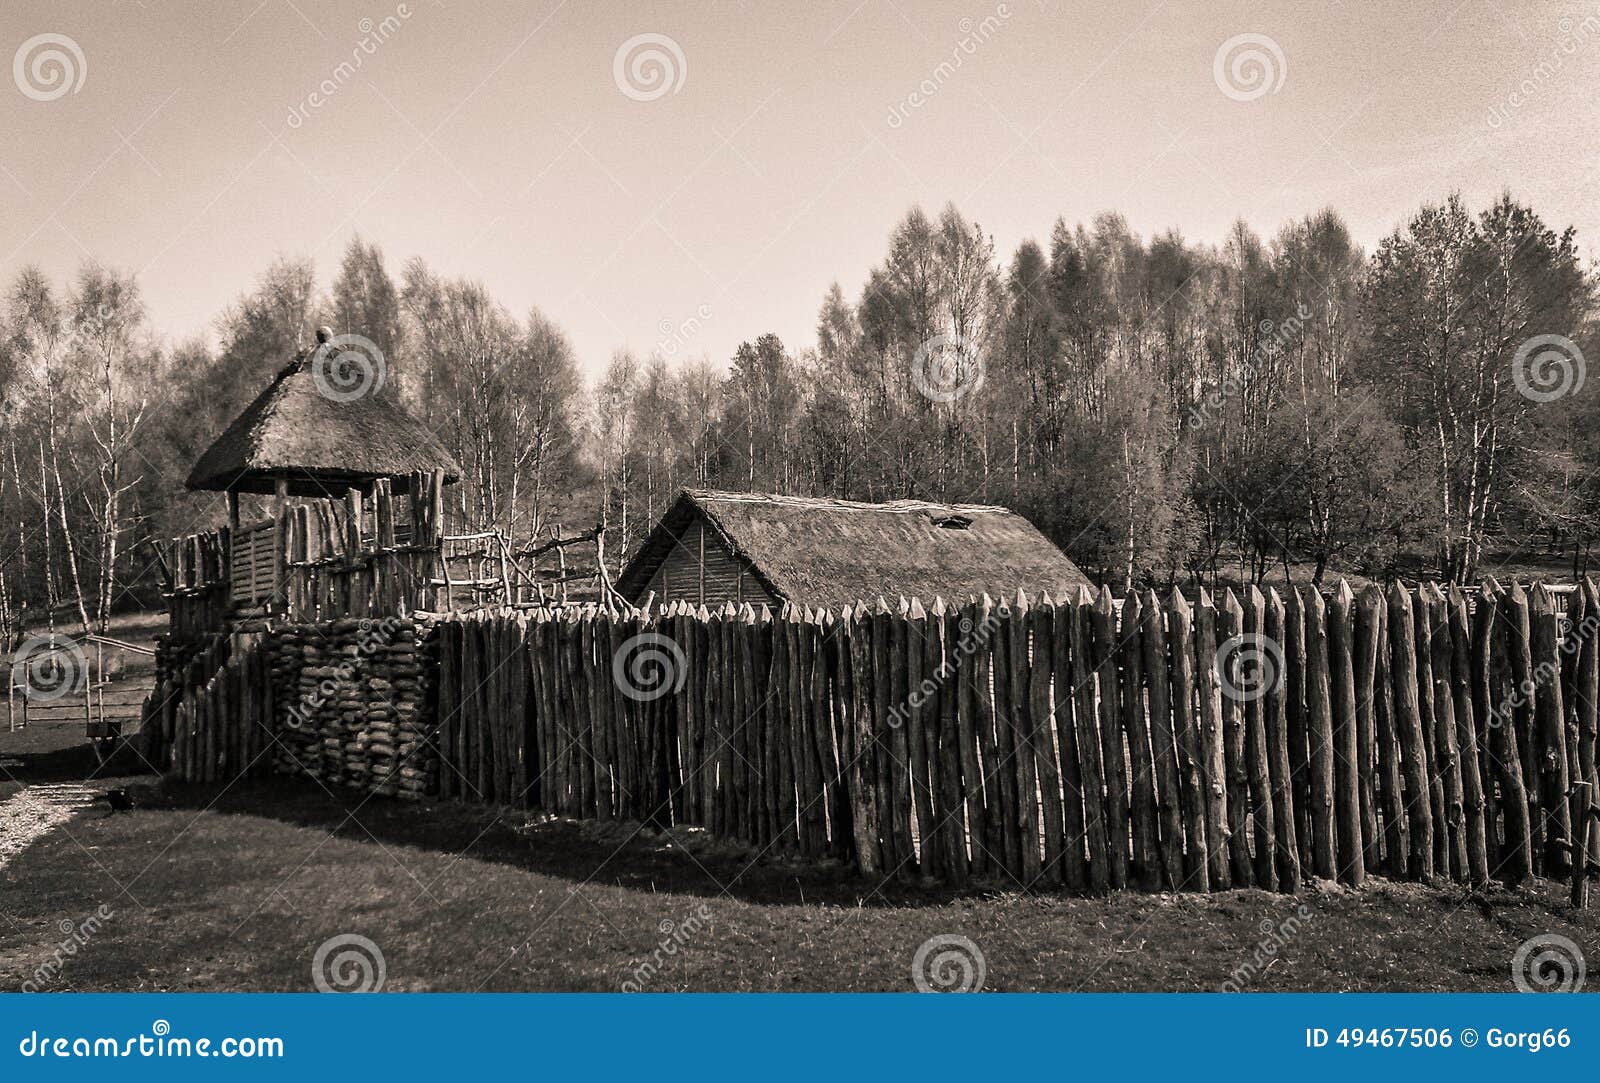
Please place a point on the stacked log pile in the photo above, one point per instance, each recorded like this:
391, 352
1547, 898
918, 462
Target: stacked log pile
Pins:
349, 695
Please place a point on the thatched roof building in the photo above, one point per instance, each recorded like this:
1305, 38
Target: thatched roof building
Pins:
317, 444
716, 547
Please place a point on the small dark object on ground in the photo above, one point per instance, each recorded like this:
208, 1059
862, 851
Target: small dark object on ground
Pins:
119, 800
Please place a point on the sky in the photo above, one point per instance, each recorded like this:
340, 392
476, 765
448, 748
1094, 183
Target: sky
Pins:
757, 151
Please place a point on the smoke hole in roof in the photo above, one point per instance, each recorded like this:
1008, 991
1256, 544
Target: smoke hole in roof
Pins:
952, 522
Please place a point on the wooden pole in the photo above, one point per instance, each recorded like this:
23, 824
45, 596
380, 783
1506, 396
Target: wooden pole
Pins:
1408, 724
1163, 739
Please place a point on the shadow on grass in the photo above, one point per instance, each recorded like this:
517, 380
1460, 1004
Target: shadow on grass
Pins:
75, 760
684, 861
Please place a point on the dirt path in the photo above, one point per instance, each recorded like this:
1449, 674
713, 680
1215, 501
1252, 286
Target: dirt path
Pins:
37, 810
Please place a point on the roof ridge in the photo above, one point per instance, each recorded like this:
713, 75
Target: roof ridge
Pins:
906, 505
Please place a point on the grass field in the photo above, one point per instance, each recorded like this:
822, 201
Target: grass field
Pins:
235, 890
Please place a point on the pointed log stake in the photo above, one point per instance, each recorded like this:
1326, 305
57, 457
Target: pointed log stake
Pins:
1521, 697
1445, 742
1276, 723
1367, 613
1136, 720
1346, 737
1236, 701
1103, 617
1516, 854
1044, 729
1257, 751
1163, 740
1467, 739
1091, 754
1550, 715
1587, 697
1025, 769
1386, 755
1065, 712
1197, 853
1319, 717
1213, 758
1408, 724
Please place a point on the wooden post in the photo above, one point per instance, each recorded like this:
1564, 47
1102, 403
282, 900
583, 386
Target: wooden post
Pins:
1368, 614
1236, 701
1136, 720
1044, 730
1447, 758
1257, 749
1319, 717
1516, 855
1467, 739
1408, 724
1024, 772
1346, 737
1522, 697
1197, 852
1555, 776
1213, 758
1091, 753
1074, 869
1163, 739
1103, 620
1587, 703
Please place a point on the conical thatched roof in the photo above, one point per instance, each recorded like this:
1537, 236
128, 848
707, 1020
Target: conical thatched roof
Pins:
833, 553
320, 444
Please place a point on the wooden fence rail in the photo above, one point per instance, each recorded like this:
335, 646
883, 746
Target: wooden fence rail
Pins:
1160, 744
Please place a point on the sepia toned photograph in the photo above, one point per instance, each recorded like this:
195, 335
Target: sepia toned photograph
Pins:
863, 496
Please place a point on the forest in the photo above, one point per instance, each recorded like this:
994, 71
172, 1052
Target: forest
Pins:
1169, 412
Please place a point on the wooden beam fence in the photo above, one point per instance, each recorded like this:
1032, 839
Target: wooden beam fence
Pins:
1249, 740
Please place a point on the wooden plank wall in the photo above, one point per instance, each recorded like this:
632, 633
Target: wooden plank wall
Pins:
1085, 744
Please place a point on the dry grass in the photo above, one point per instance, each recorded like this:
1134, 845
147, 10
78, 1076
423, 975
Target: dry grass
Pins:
235, 889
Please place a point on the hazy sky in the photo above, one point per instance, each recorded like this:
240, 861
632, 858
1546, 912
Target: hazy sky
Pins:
496, 139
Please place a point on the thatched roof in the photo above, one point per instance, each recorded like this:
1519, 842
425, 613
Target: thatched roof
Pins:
833, 553
322, 445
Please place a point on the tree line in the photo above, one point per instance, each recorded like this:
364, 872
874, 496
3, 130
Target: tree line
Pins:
1166, 411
